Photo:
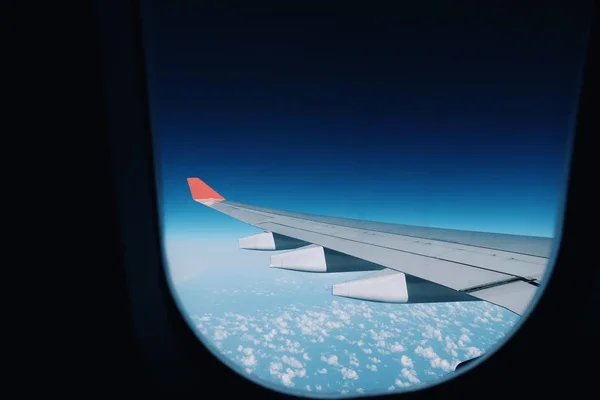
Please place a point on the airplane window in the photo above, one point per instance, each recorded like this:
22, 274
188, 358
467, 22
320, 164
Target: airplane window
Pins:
356, 205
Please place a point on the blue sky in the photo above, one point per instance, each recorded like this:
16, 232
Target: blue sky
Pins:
468, 130
407, 119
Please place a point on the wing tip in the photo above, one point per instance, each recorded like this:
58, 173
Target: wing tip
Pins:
202, 192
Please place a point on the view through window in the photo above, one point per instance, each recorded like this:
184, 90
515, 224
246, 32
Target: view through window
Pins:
277, 137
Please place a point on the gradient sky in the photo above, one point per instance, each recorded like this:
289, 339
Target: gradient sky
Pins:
458, 120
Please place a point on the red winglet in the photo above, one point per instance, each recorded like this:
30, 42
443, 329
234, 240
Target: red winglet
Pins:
203, 193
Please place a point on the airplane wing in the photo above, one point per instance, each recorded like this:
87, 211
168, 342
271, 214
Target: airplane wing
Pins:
411, 264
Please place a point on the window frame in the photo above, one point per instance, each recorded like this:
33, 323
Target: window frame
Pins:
172, 352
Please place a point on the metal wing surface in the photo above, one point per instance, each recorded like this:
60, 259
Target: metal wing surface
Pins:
411, 264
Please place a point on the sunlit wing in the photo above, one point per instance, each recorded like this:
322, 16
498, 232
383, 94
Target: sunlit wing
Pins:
411, 264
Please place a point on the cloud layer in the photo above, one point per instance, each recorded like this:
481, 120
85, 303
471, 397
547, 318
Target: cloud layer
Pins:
286, 330
347, 347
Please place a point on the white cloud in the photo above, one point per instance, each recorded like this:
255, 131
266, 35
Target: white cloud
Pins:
474, 352
435, 360
451, 347
286, 378
275, 368
410, 375
291, 361
348, 373
269, 336
381, 335
331, 360
425, 352
406, 361
333, 324
220, 334
249, 360
441, 363
282, 324
399, 383
431, 332
396, 348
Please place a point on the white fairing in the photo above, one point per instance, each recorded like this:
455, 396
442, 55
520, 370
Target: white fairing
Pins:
260, 241
384, 286
310, 259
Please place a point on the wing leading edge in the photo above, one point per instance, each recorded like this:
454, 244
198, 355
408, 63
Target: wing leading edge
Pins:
410, 264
